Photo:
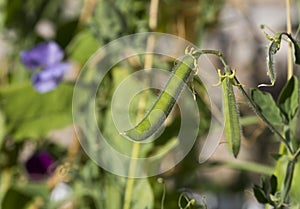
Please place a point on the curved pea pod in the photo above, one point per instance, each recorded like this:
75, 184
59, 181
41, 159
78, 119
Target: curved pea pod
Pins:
163, 105
231, 113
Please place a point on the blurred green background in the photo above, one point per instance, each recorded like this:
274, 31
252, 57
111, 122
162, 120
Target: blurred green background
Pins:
31, 122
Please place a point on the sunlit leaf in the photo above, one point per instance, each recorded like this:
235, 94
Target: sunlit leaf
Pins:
32, 115
267, 106
143, 195
83, 46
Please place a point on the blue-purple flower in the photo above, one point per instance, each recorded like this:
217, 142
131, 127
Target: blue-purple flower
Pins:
50, 77
46, 56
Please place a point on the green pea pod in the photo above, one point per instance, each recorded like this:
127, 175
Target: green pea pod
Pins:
231, 114
162, 107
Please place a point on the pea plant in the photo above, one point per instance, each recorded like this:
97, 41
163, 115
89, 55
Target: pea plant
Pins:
54, 57
279, 116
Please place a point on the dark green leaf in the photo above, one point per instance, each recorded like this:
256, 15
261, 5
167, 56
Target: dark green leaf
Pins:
296, 50
32, 115
265, 185
297, 53
15, 199
288, 100
65, 32
260, 195
267, 106
276, 156
273, 184
22, 15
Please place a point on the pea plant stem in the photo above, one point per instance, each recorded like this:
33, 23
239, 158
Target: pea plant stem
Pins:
288, 178
289, 31
142, 104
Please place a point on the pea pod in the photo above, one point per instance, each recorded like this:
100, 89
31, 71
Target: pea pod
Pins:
162, 107
231, 114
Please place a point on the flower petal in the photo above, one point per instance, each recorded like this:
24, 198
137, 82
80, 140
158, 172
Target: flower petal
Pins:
44, 54
50, 77
39, 164
60, 192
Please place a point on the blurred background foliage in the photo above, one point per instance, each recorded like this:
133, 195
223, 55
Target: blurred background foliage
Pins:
31, 122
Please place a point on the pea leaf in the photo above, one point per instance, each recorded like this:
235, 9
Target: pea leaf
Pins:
273, 184
260, 195
82, 46
297, 53
32, 115
15, 199
144, 196
267, 106
288, 100
296, 50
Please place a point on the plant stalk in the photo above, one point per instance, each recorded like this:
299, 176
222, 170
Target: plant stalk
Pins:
153, 14
289, 31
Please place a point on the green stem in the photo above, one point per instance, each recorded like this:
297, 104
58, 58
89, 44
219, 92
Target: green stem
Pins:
130, 180
291, 164
289, 31
148, 64
248, 166
256, 110
288, 181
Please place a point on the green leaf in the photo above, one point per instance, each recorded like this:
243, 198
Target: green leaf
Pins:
114, 188
17, 15
297, 53
273, 184
288, 100
32, 115
276, 156
265, 185
143, 196
15, 199
296, 49
66, 31
260, 195
82, 46
267, 106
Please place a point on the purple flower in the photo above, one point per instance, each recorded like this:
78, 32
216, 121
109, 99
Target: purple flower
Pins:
48, 57
42, 55
50, 77
39, 165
